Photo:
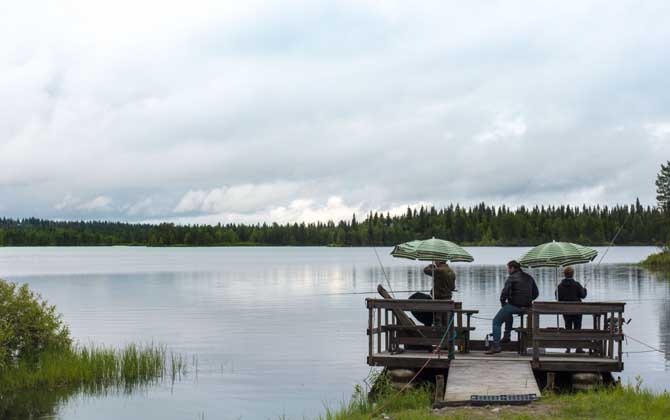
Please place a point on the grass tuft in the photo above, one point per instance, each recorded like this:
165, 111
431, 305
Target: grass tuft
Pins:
92, 369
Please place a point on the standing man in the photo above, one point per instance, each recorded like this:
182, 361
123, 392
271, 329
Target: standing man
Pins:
445, 279
517, 295
570, 290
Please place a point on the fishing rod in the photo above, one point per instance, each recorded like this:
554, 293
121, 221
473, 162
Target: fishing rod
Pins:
388, 281
616, 235
366, 293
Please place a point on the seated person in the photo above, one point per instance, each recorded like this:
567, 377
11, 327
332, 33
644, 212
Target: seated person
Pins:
517, 295
570, 290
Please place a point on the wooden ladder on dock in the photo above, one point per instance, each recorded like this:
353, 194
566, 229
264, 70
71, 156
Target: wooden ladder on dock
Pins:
485, 382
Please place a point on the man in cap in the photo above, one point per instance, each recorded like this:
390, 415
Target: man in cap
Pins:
517, 296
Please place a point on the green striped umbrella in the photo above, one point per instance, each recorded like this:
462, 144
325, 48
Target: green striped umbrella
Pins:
558, 254
432, 250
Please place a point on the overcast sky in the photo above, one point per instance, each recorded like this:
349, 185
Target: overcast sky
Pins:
247, 111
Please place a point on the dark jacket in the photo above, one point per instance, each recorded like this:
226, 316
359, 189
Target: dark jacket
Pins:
570, 290
520, 290
445, 280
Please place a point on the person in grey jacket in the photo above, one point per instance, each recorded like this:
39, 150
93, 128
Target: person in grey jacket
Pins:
517, 295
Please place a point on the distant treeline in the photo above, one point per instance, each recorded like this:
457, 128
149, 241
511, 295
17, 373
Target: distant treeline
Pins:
478, 225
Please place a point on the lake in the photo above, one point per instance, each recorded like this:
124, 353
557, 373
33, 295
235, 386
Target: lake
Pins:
277, 331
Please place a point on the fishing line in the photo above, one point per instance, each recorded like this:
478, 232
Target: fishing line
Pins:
388, 282
365, 293
644, 344
616, 235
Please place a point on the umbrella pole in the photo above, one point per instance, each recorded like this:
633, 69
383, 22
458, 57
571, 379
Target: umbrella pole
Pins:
432, 270
556, 292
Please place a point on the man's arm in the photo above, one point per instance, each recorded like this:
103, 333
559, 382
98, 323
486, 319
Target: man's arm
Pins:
582, 291
536, 292
451, 280
504, 294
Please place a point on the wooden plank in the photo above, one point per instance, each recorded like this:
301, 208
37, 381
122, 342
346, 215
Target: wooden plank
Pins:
590, 308
554, 362
488, 377
576, 335
400, 316
412, 305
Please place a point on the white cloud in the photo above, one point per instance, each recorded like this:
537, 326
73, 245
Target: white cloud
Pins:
250, 108
68, 202
143, 207
503, 128
238, 198
100, 202
659, 130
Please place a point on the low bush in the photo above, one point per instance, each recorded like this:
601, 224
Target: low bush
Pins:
29, 326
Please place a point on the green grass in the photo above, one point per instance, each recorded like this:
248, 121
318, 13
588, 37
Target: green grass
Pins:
94, 368
659, 261
615, 403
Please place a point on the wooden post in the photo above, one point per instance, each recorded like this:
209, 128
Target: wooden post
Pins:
439, 388
610, 347
379, 330
551, 381
459, 324
536, 330
620, 341
386, 333
370, 337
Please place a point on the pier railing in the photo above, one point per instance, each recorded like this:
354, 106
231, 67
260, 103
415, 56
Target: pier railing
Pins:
602, 340
389, 325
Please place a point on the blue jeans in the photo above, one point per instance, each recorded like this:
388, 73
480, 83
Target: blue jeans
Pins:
504, 315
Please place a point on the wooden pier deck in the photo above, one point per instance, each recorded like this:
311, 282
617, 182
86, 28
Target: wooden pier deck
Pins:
395, 341
491, 378
552, 362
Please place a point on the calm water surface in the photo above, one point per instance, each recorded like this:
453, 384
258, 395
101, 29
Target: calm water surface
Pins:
276, 331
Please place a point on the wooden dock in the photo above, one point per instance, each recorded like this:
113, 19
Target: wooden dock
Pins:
550, 362
395, 341
491, 378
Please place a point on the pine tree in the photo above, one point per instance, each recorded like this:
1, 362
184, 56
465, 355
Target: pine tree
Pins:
663, 187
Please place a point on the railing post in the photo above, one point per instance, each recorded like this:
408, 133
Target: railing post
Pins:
386, 333
620, 344
370, 325
379, 330
611, 340
536, 330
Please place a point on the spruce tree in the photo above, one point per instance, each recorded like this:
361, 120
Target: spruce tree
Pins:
663, 187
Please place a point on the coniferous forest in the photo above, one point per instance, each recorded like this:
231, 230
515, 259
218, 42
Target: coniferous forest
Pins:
478, 225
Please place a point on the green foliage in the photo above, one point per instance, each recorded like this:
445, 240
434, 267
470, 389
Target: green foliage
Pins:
478, 225
614, 403
92, 369
659, 261
34, 390
29, 326
387, 399
663, 187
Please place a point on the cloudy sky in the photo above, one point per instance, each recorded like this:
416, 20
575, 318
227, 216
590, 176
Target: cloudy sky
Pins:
254, 111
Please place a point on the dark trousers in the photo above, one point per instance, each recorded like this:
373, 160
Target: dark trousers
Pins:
573, 322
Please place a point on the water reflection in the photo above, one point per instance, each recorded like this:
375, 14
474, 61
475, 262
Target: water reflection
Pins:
261, 317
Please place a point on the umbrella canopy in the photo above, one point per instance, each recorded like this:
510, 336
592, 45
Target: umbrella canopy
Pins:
431, 250
558, 254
